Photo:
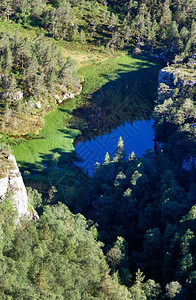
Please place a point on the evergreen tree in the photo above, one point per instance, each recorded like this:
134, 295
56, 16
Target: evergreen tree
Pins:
107, 159
113, 22
120, 151
173, 289
166, 17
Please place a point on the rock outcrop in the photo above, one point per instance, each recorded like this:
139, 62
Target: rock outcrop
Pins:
165, 76
15, 96
172, 76
68, 95
17, 186
14, 181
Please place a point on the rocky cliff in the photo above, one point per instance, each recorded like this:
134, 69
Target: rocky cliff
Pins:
11, 178
175, 75
180, 77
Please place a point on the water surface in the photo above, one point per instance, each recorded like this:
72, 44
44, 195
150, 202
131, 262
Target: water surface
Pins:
137, 137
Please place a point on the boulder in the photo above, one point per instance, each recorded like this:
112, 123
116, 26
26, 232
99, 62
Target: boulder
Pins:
16, 96
68, 96
37, 104
167, 77
35, 215
72, 95
58, 99
181, 78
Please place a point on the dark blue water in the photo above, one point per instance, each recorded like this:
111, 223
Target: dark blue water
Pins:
137, 137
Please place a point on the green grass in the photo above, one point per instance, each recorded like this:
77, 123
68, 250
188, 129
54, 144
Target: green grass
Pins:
35, 155
82, 54
57, 136
19, 29
30, 151
95, 76
101, 73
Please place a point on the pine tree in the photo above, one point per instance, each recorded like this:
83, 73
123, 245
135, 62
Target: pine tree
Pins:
136, 175
166, 17
113, 22
173, 289
82, 37
136, 289
107, 159
120, 151
12, 84
184, 34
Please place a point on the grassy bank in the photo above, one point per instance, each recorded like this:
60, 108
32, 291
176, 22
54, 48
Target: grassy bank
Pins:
83, 54
96, 76
41, 155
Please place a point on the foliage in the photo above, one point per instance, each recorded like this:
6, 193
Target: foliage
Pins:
174, 114
32, 73
112, 24
141, 211
138, 204
34, 198
55, 257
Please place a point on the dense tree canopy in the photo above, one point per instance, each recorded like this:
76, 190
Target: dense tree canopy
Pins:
33, 75
56, 257
114, 24
133, 232
141, 205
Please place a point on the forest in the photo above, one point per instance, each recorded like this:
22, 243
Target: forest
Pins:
128, 230
112, 24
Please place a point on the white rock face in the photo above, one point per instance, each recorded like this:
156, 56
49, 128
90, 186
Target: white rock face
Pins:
14, 181
3, 186
20, 199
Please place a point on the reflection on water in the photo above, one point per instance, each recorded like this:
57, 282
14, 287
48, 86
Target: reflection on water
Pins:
137, 137
127, 99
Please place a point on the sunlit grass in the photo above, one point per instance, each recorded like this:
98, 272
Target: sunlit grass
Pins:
57, 134
98, 68
83, 54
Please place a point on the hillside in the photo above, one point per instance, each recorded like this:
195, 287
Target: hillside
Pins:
79, 71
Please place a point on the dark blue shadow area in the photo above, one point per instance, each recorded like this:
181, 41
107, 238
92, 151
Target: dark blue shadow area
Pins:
137, 137
128, 98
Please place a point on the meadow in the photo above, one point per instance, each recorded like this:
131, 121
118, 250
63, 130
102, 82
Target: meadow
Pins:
57, 132
54, 144
39, 154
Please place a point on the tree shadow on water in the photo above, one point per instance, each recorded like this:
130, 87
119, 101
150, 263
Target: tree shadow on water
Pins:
130, 97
